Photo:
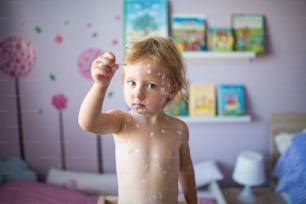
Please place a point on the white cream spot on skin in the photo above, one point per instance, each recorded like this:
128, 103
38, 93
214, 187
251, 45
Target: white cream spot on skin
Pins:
155, 197
163, 92
151, 134
163, 131
155, 156
149, 71
162, 83
138, 202
143, 180
137, 67
179, 133
158, 166
137, 151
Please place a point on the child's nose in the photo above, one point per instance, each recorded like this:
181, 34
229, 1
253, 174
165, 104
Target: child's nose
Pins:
139, 92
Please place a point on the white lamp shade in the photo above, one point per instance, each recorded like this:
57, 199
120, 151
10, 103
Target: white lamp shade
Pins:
249, 169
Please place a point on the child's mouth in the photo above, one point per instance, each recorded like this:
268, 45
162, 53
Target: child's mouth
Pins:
138, 106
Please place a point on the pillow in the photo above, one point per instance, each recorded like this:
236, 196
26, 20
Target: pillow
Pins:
14, 168
91, 183
283, 141
206, 172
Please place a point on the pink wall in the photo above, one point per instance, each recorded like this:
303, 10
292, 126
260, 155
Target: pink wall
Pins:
274, 82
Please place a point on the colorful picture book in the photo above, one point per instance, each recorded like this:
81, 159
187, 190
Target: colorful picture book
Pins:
220, 39
179, 106
144, 18
189, 32
202, 100
248, 32
231, 100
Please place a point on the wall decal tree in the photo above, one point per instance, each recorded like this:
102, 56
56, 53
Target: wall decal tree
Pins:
17, 60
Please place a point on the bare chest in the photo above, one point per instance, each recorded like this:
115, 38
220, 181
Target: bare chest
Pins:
149, 147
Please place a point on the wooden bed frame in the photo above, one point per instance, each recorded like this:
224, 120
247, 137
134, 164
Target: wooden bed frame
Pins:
284, 122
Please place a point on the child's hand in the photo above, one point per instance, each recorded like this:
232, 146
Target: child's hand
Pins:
103, 68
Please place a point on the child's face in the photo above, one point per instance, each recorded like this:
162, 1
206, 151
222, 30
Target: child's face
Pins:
147, 87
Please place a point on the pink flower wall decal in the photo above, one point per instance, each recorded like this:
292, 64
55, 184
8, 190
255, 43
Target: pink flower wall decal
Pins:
59, 102
89, 25
59, 39
117, 17
115, 42
85, 59
17, 56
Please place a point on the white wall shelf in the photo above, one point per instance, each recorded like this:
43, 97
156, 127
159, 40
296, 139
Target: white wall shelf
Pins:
219, 55
217, 119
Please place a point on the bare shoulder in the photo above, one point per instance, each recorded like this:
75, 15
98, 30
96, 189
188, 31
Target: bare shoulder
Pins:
179, 124
115, 118
177, 121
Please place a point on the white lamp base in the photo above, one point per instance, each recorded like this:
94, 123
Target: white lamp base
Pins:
247, 195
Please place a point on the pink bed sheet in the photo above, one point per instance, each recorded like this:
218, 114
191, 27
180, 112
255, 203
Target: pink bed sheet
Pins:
30, 192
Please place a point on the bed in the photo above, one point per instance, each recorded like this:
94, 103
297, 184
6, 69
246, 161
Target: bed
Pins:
288, 149
32, 192
65, 186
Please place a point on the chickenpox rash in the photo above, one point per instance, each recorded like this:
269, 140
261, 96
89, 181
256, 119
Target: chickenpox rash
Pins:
149, 71
155, 197
156, 156
158, 166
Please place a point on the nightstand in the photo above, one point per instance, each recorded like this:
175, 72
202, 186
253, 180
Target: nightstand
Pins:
263, 196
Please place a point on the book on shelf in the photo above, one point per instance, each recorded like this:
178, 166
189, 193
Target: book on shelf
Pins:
202, 100
220, 39
179, 106
248, 32
189, 32
144, 18
231, 100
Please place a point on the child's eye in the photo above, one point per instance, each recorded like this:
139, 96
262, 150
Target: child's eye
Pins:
151, 86
131, 83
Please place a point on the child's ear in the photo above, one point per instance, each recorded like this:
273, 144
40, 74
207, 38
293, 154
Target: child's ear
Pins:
173, 91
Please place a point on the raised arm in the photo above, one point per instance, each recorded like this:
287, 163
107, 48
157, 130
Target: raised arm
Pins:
91, 118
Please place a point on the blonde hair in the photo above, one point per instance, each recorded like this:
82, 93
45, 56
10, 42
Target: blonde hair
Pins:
160, 50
